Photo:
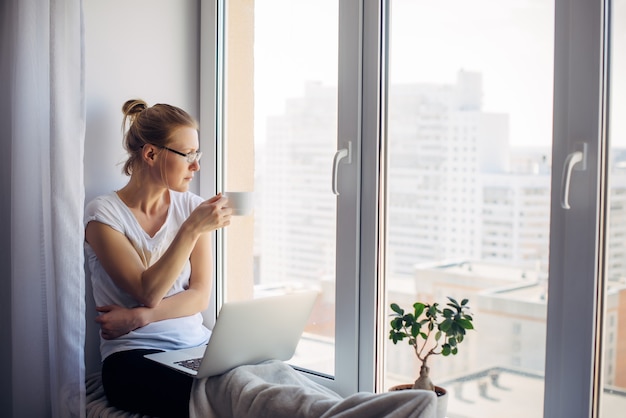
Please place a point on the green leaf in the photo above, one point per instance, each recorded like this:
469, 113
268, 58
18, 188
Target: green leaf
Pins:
454, 351
445, 325
423, 335
419, 309
415, 329
452, 342
398, 336
397, 309
437, 335
447, 313
456, 304
445, 350
396, 324
464, 302
456, 307
465, 323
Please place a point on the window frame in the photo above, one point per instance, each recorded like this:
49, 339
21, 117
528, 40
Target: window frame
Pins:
577, 236
210, 119
212, 101
372, 302
573, 367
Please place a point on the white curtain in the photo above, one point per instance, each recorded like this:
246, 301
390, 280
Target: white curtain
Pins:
43, 125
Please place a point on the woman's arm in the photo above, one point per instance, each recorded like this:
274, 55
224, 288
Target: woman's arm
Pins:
116, 321
148, 285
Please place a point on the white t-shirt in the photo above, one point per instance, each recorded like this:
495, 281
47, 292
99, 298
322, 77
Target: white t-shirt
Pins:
169, 334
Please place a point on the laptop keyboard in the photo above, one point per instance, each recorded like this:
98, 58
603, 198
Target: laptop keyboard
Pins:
193, 364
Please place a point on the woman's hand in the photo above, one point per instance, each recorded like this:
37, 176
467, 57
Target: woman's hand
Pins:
210, 215
116, 321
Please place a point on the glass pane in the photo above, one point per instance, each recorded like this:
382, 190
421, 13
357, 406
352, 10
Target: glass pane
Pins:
281, 124
613, 401
468, 192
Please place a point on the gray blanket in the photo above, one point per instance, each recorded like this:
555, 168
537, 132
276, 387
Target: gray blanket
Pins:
275, 390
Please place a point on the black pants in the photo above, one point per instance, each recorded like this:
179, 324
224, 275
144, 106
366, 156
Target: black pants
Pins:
136, 384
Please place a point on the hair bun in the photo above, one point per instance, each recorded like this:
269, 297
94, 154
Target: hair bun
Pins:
134, 106
131, 109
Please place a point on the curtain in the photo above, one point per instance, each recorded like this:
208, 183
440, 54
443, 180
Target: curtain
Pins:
43, 126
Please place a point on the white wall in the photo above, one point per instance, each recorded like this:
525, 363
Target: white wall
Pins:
145, 49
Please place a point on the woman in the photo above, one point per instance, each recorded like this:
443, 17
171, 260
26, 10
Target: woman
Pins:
148, 246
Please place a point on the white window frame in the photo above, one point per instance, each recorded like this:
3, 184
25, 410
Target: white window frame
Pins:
577, 238
372, 303
572, 380
345, 380
211, 91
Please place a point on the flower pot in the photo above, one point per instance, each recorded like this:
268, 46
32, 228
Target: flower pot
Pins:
442, 397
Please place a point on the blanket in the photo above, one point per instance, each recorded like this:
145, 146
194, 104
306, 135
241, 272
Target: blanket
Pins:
275, 390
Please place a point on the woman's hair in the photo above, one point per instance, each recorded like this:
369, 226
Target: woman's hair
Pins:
150, 125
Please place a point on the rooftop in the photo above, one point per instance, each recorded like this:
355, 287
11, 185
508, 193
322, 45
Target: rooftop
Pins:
502, 392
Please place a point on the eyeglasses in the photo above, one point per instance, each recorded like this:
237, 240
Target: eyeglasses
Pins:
191, 156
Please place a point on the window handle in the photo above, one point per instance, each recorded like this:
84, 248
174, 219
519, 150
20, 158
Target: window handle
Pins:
572, 159
339, 156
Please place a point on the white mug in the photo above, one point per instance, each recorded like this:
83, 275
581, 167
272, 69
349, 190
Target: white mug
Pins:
242, 203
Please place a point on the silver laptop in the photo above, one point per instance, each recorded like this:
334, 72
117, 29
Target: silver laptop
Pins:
246, 332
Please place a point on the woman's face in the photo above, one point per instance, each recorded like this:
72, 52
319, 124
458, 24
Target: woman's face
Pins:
177, 171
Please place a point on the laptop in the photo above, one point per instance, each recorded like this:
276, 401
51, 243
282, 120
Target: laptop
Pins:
246, 332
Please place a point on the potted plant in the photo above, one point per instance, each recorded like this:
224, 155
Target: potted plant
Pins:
431, 330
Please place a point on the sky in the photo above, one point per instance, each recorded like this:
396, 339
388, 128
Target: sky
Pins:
511, 43
508, 42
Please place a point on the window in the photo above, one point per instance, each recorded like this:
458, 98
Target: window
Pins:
424, 94
278, 135
475, 77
